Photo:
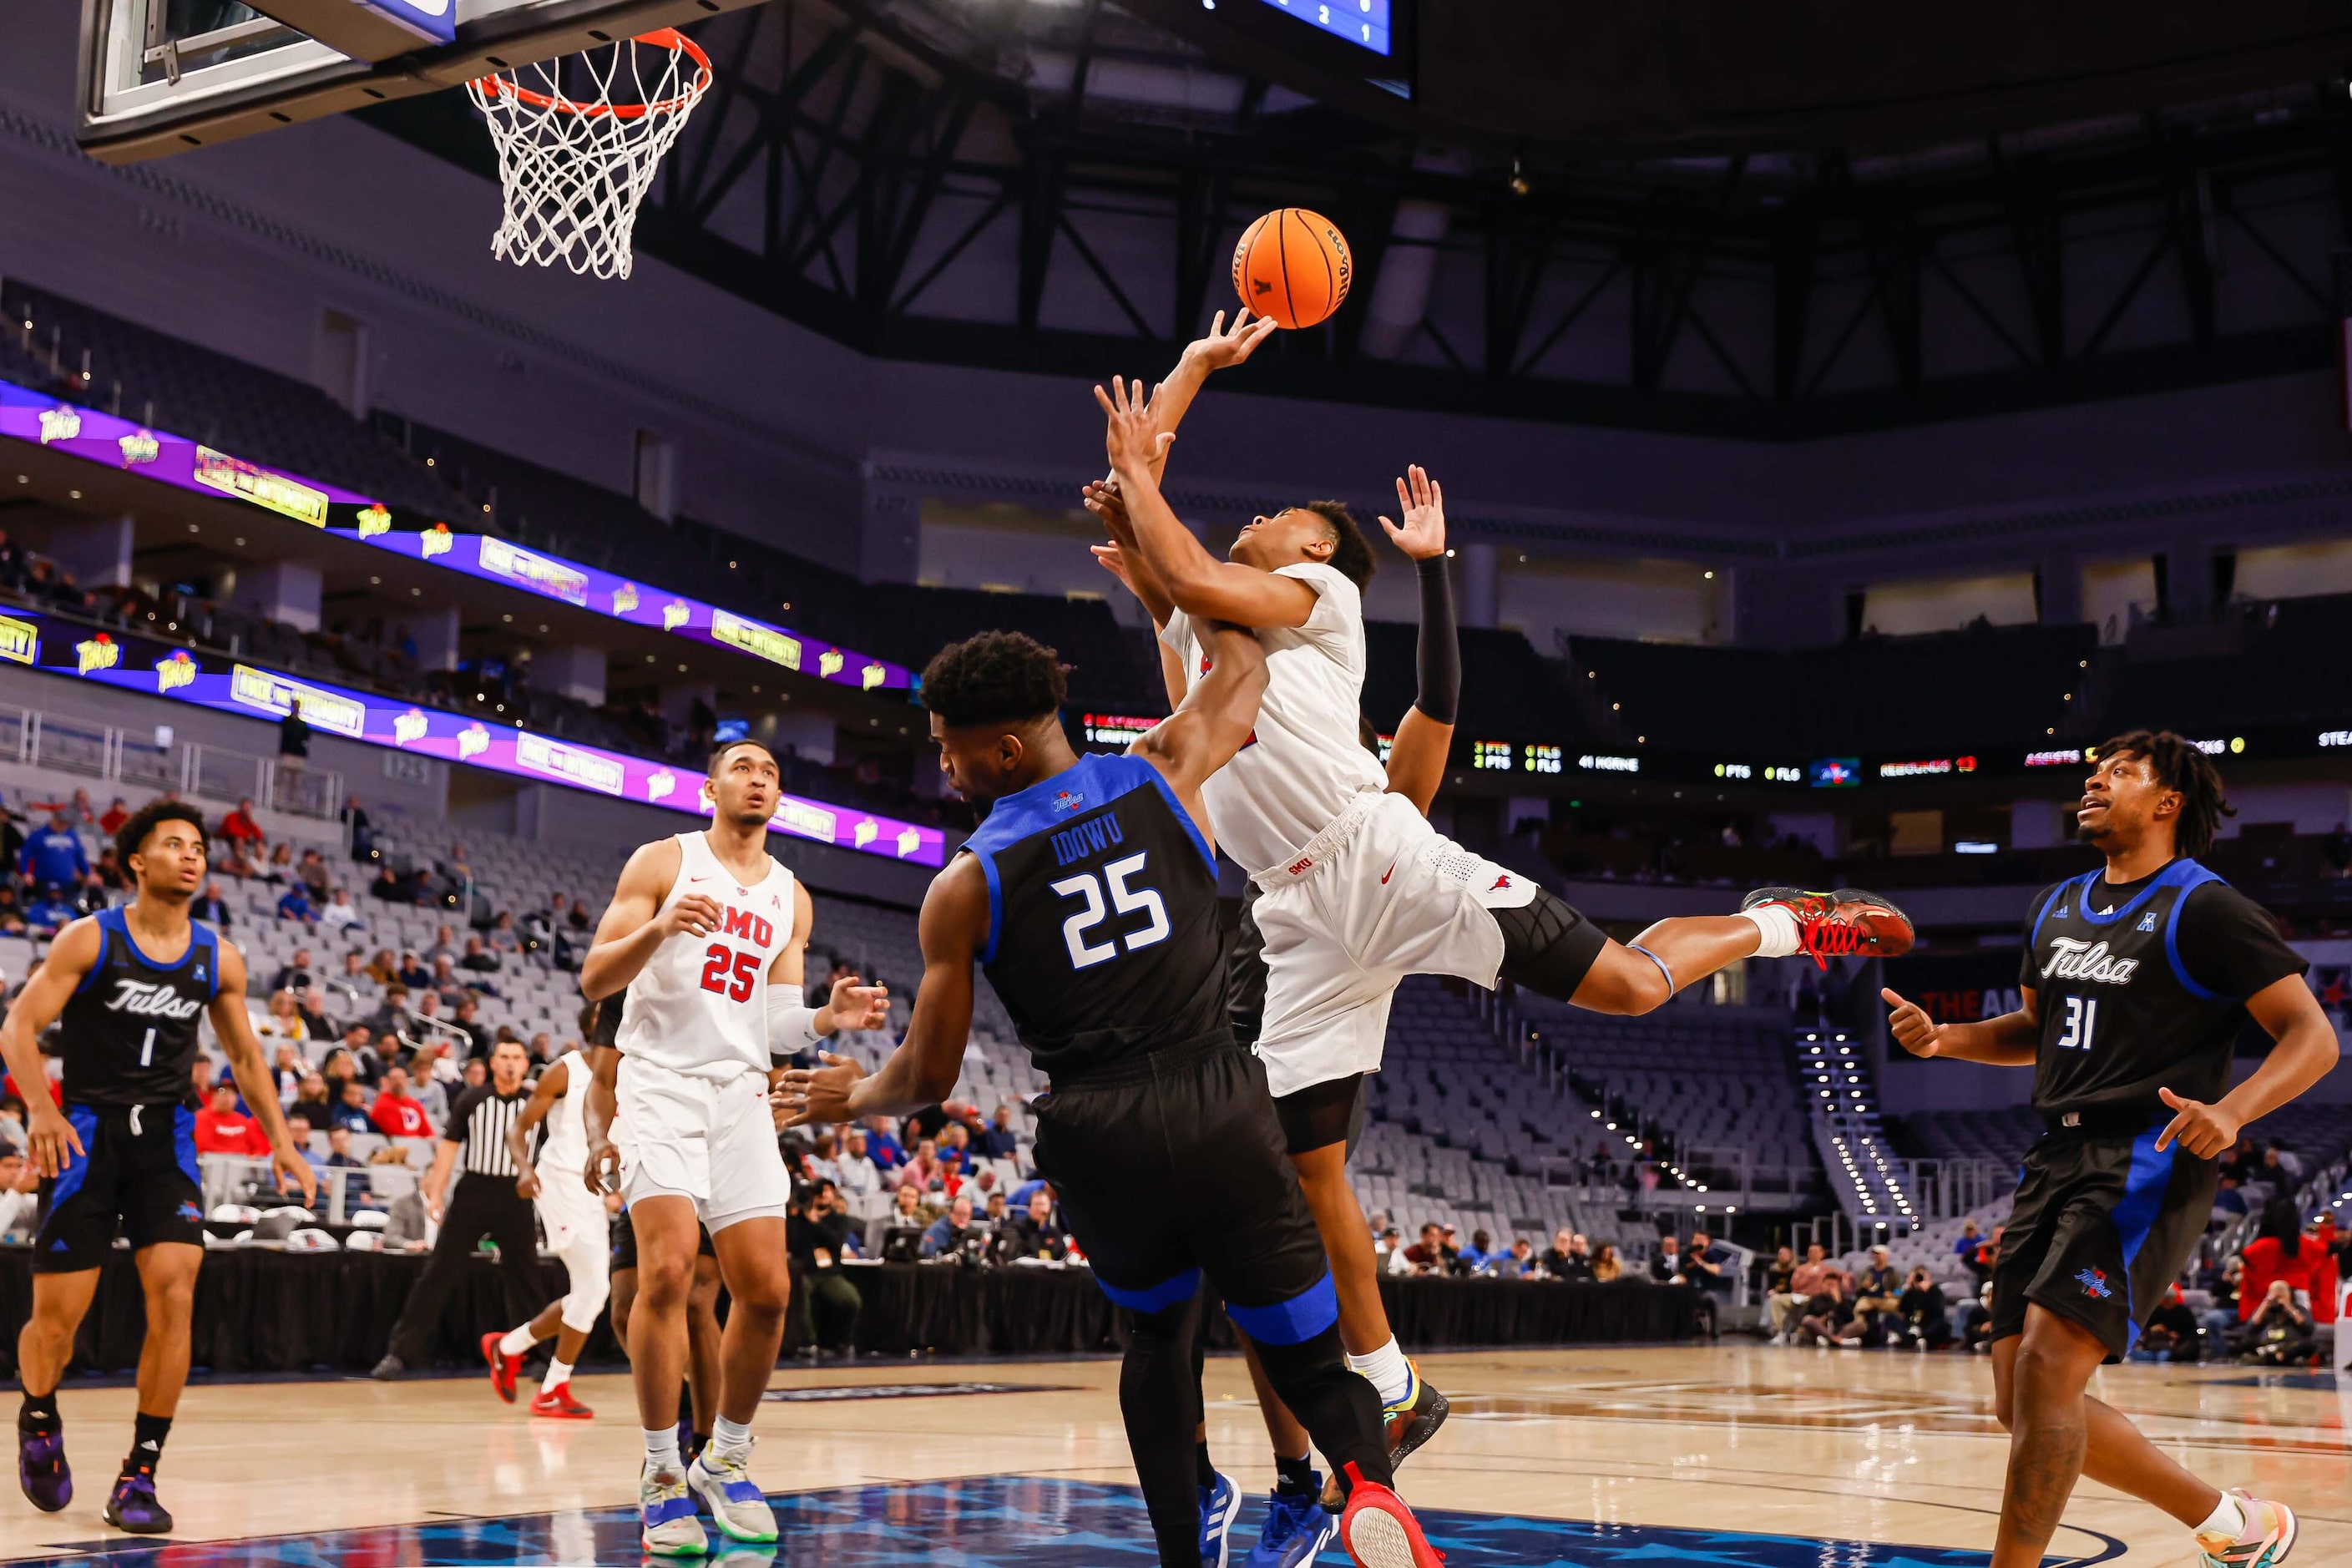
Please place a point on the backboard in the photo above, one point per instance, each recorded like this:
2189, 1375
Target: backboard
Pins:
158, 77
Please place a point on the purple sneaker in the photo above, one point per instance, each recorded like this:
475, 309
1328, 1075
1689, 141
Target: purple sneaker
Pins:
133, 1506
42, 1470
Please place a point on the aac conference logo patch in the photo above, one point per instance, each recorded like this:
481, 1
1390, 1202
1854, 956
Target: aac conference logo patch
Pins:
2094, 1283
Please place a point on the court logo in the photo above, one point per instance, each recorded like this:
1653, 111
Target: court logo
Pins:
2094, 1283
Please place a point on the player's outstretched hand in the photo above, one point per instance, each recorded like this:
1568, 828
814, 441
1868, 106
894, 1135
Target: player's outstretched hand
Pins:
1103, 499
602, 1171
53, 1139
696, 914
855, 1005
2205, 1130
291, 1171
1220, 347
819, 1094
1422, 501
1132, 439
1913, 1029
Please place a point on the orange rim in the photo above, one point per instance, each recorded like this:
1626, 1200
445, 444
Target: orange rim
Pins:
668, 38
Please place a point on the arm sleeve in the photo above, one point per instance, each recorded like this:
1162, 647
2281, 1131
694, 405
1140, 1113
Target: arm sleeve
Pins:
1438, 655
2231, 944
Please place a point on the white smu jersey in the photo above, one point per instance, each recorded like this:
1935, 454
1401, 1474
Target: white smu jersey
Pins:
699, 1006
564, 1151
1307, 760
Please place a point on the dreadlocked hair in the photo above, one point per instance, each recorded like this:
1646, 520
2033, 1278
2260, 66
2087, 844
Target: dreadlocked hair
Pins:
995, 677
1351, 554
2180, 766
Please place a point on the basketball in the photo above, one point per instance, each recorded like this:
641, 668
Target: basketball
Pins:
1292, 265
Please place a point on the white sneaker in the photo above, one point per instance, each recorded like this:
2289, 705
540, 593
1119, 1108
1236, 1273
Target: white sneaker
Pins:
737, 1504
671, 1529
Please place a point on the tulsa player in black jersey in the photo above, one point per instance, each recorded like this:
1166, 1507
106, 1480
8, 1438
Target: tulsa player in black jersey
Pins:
129, 984
1089, 895
2136, 979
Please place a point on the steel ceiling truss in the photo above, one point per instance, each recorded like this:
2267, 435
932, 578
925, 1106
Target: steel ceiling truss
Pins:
876, 161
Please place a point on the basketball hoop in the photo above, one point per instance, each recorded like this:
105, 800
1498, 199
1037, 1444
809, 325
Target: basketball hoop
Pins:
574, 168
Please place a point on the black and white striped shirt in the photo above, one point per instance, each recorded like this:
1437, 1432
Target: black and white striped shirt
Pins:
481, 1120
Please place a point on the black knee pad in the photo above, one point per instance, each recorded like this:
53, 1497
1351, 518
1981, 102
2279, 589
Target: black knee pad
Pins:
1547, 947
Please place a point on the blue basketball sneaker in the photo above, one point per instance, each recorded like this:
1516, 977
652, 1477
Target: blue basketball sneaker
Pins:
1298, 1527
133, 1506
42, 1470
1220, 1505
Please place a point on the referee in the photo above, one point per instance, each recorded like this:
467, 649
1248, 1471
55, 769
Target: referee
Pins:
486, 1205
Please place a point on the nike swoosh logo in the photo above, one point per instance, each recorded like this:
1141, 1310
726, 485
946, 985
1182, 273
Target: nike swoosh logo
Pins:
1387, 874
697, 879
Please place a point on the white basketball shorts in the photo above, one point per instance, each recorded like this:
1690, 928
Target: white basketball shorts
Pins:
578, 1233
711, 1141
1378, 895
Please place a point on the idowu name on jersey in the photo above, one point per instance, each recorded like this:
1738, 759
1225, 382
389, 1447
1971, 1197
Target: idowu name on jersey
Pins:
146, 999
2073, 959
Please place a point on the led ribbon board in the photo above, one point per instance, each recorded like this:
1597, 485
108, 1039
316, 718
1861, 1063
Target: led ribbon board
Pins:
179, 674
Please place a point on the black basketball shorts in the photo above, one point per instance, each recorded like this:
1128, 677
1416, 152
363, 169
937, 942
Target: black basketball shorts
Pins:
2103, 1223
1170, 1166
625, 1243
137, 1174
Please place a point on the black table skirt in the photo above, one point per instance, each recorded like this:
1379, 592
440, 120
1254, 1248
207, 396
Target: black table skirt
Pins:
274, 1312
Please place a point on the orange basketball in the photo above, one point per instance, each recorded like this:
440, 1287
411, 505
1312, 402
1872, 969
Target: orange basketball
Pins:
1292, 265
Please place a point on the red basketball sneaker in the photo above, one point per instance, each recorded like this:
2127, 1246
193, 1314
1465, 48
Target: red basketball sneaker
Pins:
558, 1404
503, 1367
1839, 925
1379, 1532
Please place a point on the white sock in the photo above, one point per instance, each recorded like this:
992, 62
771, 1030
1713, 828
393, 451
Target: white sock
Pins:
517, 1341
1776, 931
559, 1373
661, 1449
1386, 1369
730, 1440
2227, 1520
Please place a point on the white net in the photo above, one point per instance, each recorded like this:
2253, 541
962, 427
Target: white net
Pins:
579, 139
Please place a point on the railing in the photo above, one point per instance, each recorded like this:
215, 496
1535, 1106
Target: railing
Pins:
113, 754
1950, 1188
342, 1190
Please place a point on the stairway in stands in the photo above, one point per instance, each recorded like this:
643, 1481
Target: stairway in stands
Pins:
1834, 1068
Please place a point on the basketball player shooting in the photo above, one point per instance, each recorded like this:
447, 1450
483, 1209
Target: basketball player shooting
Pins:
2136, 979
129, 985
1357, 889
577, 1231
708, 934
1089, 895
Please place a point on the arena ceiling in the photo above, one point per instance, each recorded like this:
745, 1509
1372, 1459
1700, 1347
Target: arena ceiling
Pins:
1875, 226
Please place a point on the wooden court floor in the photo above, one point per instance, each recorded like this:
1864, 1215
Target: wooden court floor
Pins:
1739, 1454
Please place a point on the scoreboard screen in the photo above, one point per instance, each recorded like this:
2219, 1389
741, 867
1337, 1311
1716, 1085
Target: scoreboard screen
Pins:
1364, 23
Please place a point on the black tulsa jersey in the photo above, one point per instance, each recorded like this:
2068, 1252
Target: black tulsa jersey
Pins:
128, 1034
2142, 985
1103, 936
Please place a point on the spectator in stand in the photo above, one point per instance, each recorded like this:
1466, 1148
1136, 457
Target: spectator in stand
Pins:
390, 887
311, 871
1975, 1321
210, 907
444, 945
2281, 1251
2280, 1332
955, 1141
340, 914
53, 856
446, 982
355, 821
289, 1070
1877, 1291
1038, 1233
1479, 1256
2228, 1199
310, 1100
12, 914
817, 1237
412, 972
882, 1143
1606, 1269
312, 999
283, 1020
222, 1128
1804, 1284
293, 739
1965, 1245
1926, 1319
2281, 1169
294, 904
239, 828
20, 1195
2171, 1334
1523, 1260
1000, 1141
907, 1208
350, 1111
948, 1231
383, 969
1430, 1255
298, 1133
858, 1174
298, 971
1707, 1265
467, 1020
1776, 1274
924, 1170
108, 873
2240, 1160
1666, 1263
50, 910
1570, 1259
478, 959
1829, 1318
116, 815
396, 1113
391, 1017
430, 1074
